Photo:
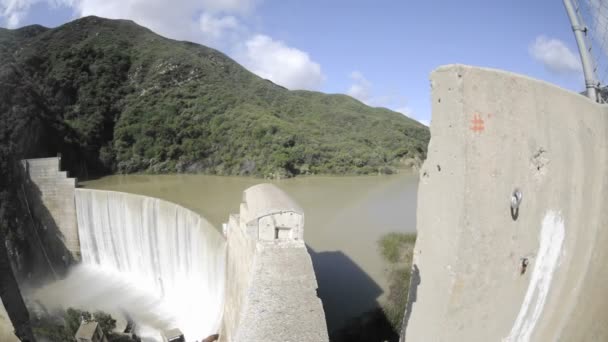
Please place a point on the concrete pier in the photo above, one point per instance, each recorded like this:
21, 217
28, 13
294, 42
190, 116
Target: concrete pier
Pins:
270, 283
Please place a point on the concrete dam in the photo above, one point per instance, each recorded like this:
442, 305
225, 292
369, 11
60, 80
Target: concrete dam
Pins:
512, 226
168, 251
166, 267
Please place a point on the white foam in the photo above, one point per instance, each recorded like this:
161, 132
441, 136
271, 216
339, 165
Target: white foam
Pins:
164, 250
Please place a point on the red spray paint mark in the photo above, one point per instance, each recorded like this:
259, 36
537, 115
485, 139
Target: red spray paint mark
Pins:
477, 124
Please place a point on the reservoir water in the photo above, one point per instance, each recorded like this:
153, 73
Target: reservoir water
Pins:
344, 218
144, 259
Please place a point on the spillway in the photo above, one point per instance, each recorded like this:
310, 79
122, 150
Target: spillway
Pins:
162, 249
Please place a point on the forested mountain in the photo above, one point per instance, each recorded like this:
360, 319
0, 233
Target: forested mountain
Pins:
113, 96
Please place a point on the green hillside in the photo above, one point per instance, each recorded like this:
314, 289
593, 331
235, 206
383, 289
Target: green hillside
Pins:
113, 96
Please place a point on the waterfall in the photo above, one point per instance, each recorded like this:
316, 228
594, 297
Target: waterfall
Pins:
162, 249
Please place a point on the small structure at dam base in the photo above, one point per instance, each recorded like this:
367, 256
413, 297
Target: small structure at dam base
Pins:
90, 331
173, 335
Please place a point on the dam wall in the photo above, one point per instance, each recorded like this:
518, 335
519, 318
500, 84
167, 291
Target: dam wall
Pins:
169, 252
512, 225
271, 288
50, 194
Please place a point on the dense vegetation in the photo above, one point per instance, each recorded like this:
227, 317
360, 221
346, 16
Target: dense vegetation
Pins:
63, 326
26, 129
127, 100
397, 249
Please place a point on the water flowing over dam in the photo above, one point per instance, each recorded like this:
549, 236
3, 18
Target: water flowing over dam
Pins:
162, 248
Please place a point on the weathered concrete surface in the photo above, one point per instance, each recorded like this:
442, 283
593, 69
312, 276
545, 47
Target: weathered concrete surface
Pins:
493, 132
240, 254
270, 283
51, 200
282, 301
266, 199
6, 327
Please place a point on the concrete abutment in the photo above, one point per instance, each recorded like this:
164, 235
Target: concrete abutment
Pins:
487, 272
49, 196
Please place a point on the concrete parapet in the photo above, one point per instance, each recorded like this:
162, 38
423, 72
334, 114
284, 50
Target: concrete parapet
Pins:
268, 214
270, 283
50, 195
512, 229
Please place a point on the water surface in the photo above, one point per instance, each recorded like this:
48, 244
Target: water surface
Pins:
344, 218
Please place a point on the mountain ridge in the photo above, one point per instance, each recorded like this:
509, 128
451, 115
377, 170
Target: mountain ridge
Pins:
120, 98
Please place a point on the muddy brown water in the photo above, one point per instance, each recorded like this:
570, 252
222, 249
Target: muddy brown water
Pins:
344, 218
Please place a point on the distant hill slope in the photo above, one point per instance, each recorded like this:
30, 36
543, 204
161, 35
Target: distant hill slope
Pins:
119, 98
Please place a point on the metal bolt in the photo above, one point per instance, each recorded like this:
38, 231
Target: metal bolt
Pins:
516, 198
524, 265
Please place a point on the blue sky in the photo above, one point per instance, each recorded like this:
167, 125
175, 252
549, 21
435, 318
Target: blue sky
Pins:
381, 52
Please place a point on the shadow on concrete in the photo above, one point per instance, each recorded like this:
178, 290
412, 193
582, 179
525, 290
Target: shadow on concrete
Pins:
350, 299
47, 257
412, 296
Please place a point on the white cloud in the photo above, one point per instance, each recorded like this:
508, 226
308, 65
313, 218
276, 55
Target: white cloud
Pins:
220, 30
361, 87
174, 20
216, 26
363, 90
13, 11
211, 22
284, 65
407, 111
13, 20
179, 19
555, 55
241, 6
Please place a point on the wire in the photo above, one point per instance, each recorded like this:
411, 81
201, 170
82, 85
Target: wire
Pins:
593, 15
